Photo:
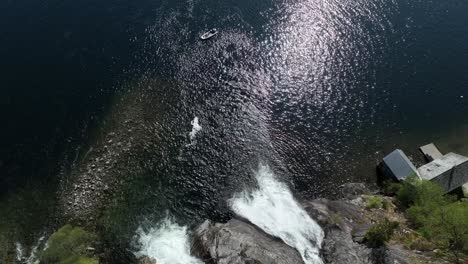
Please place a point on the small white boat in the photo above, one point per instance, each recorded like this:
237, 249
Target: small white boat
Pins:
209, 34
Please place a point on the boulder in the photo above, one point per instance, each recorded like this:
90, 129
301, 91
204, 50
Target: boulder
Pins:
339, 248
340, 219
146, 260
344, 214
240, 242
359, 232
396, 254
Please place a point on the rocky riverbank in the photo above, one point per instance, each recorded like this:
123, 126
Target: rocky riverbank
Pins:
345, 221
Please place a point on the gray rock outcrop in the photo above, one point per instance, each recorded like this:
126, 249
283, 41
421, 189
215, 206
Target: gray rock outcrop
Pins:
240, 242
345, 225
339, 219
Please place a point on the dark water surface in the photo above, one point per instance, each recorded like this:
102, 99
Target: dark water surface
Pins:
320, 90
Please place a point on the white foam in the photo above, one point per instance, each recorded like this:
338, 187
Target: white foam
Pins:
20, 252
168, 244
273, 208
195, 128
33, 256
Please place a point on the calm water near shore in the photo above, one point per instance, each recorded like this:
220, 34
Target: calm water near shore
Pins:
318, 90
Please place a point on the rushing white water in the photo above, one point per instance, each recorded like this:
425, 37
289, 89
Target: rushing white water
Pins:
20, 251
33, 256
195, 128
168, 244
273, 208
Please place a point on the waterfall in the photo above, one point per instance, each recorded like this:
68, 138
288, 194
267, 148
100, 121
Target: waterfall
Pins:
168, 243
20, 251
273, 208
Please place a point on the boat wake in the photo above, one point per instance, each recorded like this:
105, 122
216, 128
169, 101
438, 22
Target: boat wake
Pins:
272, 208
168, 244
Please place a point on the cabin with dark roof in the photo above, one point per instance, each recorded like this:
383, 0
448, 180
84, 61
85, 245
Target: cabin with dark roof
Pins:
450, 170
397, 166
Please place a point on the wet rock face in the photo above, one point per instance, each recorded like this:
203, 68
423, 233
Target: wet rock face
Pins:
240, 242
339, 247
339, 220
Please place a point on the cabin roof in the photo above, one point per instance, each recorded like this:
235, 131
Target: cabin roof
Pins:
399, 164
439, 166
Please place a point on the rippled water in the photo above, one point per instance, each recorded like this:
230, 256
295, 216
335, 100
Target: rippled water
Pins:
295, 85
318, 90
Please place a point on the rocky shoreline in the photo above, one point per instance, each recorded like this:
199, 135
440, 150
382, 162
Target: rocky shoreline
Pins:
345, 222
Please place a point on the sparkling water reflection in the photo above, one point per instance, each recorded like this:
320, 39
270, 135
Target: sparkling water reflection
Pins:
319, 90
303, 85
